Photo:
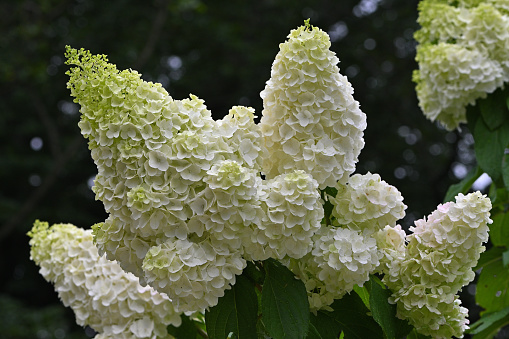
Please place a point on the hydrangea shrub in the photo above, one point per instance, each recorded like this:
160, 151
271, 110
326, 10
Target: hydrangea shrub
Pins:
197, 205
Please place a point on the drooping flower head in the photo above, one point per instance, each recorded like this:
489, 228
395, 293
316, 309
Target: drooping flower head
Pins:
310, 120
462, 56
437, 263
100, 293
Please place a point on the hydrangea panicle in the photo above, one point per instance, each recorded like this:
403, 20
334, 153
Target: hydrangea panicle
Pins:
437, 263
99, 292
310, 120
462, 56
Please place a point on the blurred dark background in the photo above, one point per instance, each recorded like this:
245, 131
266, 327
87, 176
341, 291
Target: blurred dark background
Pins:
221, 51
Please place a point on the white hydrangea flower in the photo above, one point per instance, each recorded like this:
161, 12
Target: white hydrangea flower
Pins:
292, 215
193, 273
243, 137
391, 243
341, 258
462, 56
368, 203
438, 262
101, 294
310, 119
230, 206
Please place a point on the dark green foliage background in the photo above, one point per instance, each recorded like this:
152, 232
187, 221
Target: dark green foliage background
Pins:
226, 49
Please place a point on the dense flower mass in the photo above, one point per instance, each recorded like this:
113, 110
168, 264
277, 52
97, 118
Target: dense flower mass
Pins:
462, 55
310, 119
437, 263
367, 202
191, 200
99, 292
177, 183
341, 258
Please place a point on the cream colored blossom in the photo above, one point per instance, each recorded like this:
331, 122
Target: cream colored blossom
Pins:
99, 292
462, 56
438, 262
368, 203
292, 215
341, 258
193, 273
310, 119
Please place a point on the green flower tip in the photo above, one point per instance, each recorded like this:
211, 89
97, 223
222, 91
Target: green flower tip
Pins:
307, 26
39, 226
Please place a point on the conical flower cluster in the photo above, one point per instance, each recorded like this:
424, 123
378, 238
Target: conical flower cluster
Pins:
100, 293
437, 263
310, 119
462, 56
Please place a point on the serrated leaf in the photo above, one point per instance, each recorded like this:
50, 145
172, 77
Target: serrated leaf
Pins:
235, 312
351, 316
285, 306
489, 324
492, 292
499, 230
490, 146
186, 330
494, 110
464, 185
384, 313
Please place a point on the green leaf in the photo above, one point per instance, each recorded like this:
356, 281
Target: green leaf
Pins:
384, 313
350, 315
488, 257
473, 114
235, 312
505, 170
489, 324
493, 286
313, 333
328, 206
499, 230
285, 306
498, 196
464, 185
494, 110
505, 258
186, 330
363, 293
416, 335
490, 146
326, 326
253, 273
